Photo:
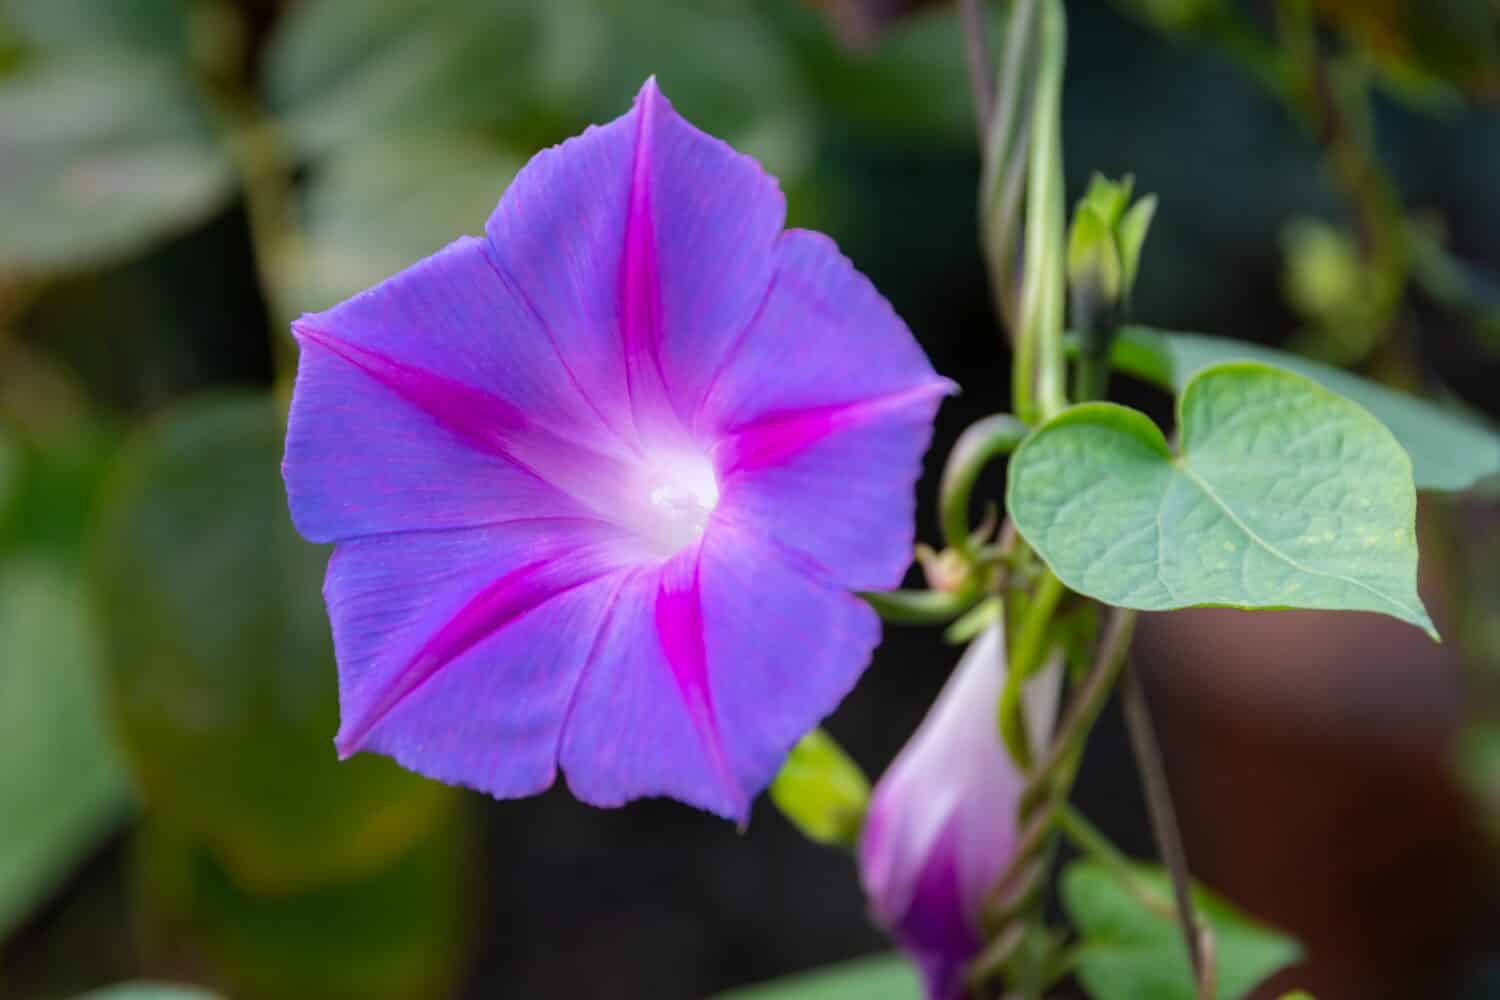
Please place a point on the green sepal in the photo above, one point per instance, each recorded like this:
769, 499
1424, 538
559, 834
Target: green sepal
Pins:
920, 607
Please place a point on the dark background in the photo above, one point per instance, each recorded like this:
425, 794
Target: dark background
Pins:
1319, 761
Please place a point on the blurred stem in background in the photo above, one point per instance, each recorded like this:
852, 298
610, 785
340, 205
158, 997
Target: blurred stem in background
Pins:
263, 160
1332, 97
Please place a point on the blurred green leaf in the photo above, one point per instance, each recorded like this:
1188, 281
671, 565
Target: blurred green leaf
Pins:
58, 484
399, 933
1449, 450
159, 27
821, 790
378, 207
148, 991
221, 661
879, 977
724, 65
1282, 494
1478, 759
1131, 951
61, 785
10, 476
100, 157
912, 84
342, 71
349, 73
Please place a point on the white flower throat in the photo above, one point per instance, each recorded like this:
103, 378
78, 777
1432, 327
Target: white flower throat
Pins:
681, 493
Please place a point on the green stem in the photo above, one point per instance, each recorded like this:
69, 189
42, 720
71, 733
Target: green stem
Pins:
1039, 356
1333, 98
1093, 844
1025, 656
979, 444
1003, 182
1014, 896
1090, 376
1164, 824
921, 607
981, 77
1054, 774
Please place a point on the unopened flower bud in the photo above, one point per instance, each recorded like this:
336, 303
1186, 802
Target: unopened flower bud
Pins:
942, 823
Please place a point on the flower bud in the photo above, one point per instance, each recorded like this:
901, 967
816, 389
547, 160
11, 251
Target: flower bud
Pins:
1104, 251
942, 822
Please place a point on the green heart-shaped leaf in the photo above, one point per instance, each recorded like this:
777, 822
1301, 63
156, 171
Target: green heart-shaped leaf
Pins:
1284, 495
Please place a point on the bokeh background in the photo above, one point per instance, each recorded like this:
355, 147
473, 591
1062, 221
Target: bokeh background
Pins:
179, 178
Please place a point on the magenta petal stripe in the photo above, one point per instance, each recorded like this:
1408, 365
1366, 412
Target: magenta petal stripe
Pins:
773, 440
640, 293
491, 610
488, 423
679, 627
481, 417
631, 730
600, 482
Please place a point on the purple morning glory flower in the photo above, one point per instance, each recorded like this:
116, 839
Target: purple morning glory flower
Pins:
601, 481
942, 824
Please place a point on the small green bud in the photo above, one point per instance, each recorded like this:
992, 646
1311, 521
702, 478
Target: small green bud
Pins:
1104, 248
1104, 255
1094, 263
1130, 235
822, 791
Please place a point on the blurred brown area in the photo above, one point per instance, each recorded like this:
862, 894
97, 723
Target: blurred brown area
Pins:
1312, 761
860, 22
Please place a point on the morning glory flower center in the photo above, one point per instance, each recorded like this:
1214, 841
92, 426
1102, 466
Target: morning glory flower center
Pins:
681, 492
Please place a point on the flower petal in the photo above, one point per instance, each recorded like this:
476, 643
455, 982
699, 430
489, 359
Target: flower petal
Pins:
822, 414
942, 823
711, 668
935, 929
651, 286
459, 650
823, 336
415, 399
836, 485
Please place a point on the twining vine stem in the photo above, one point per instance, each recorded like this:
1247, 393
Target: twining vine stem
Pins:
1164, 822
1046, 791
981, 76
1038, 393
